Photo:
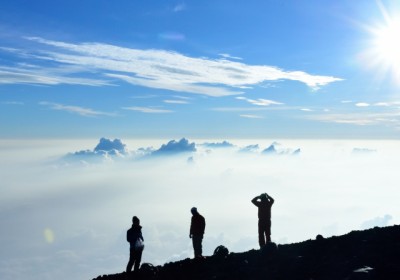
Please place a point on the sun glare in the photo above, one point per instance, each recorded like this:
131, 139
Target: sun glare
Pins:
383, 53
387, 43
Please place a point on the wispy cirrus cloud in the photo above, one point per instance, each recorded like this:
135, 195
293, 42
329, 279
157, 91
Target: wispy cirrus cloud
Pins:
260, 101
382, 118
12, 103
151, 68
45, 76
172, 101
179, 7
248, 116
228, 56
150, 110
86, 112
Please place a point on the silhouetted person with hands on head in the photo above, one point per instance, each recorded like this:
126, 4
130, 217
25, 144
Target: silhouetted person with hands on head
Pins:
197, 227
264, 203
135, 238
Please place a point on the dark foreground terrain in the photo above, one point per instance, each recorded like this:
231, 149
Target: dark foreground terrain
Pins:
369, 254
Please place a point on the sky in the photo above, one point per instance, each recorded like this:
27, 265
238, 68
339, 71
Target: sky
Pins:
171, 69
110, 109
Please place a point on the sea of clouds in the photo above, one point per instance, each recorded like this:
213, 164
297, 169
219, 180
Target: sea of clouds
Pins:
66, 204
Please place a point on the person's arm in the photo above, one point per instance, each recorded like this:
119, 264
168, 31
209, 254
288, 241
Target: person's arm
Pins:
203, 225
271, 200
255, 200
191, 228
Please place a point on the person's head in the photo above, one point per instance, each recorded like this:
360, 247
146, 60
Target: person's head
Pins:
194, 210
263, 197
135, 220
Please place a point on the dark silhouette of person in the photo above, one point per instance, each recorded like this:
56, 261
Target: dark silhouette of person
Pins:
264, 203
132, 236
197, 227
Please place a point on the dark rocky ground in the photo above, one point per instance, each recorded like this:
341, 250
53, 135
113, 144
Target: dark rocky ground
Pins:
369, 254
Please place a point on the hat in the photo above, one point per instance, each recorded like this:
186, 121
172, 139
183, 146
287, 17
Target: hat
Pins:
193, 210
135, 220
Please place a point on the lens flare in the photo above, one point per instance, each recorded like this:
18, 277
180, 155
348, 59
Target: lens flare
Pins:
48, 235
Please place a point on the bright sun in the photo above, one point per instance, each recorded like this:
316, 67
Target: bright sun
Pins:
383, 54
387, 43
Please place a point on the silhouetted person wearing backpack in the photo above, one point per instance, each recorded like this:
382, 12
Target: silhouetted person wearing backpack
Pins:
135, 238
264, 203
197, 227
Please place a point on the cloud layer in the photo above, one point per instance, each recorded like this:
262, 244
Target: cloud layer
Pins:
77, 216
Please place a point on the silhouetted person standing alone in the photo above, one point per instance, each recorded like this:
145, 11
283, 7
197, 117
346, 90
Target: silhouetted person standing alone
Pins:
197, 227
264, 203
135, 238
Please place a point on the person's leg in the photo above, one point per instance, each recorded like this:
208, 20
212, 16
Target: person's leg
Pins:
268, 231
131, 260
261, 236
138, 259
197, 247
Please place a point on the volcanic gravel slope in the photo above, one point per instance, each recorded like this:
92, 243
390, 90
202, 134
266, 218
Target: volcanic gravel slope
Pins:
368, 254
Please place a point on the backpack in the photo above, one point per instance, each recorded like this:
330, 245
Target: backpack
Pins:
221, 252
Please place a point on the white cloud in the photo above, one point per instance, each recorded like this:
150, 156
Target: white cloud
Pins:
377, 222
90, 208
170, 101
260, 101
384, 118
172, 36
161, 69
179, 8
362, 104
250, 148
175, 147
105, 150
238, 109
13, 103
223, 144
306, 110
149, 110
387, 104
363, 151
86, 112
45, 76
248, 116
228, 56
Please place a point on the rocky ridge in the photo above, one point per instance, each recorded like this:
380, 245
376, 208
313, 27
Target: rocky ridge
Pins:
369, 254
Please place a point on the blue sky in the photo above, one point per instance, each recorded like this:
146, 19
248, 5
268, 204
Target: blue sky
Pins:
211, 69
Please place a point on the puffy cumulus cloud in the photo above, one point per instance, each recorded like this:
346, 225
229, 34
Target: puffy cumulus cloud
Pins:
250, 149
111, 146
377, 222
276, 149
363, 151
106, 149
223, 144
111, 150
175, 147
